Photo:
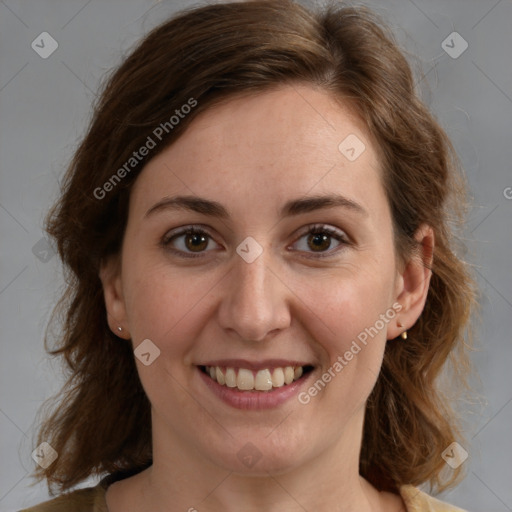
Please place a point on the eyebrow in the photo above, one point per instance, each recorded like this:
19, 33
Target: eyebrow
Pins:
291, 208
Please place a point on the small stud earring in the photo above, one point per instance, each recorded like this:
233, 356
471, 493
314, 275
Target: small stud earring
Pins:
404, 334
119, 328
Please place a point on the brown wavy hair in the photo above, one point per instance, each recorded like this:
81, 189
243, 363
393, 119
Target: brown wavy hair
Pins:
101, 421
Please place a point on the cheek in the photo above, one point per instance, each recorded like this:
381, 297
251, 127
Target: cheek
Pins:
163, 309
346, 322
348, 306
165, 304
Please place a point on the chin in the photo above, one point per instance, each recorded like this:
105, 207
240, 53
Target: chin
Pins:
259, 455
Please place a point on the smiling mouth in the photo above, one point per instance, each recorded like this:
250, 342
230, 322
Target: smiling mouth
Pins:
245, 379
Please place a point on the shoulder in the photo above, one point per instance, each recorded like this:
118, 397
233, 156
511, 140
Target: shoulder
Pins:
89, 499
419, 501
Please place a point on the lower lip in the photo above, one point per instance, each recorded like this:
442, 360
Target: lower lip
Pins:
254, 399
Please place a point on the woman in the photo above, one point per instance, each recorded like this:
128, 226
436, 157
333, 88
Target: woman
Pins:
262, 281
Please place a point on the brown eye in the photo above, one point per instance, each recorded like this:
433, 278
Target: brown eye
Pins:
189, 242
319, 239
196, 242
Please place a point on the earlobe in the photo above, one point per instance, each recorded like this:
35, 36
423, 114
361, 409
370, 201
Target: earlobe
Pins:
110, 276
414, 282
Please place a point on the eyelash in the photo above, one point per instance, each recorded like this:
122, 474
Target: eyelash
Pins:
312, 229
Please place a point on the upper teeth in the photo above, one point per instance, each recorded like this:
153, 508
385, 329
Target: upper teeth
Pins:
246, 380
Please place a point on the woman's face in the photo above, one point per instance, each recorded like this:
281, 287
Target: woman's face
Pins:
253, 292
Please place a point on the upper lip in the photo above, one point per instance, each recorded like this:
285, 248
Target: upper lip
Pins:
255, 365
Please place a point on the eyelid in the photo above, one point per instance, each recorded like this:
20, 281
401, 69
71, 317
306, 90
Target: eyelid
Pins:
182, 230
323, 228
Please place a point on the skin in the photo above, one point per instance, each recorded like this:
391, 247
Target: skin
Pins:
252, 154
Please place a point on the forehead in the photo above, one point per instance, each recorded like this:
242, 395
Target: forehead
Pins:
268, 146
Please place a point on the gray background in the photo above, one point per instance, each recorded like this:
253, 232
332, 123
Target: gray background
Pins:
44, 107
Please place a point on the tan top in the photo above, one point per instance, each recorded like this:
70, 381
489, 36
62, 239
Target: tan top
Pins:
92, 499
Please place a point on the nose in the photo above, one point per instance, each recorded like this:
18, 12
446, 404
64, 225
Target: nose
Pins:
255, 300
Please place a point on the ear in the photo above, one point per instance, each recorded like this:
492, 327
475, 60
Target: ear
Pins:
110, 276
413, 282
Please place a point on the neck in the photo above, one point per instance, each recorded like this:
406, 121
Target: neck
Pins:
181, 479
